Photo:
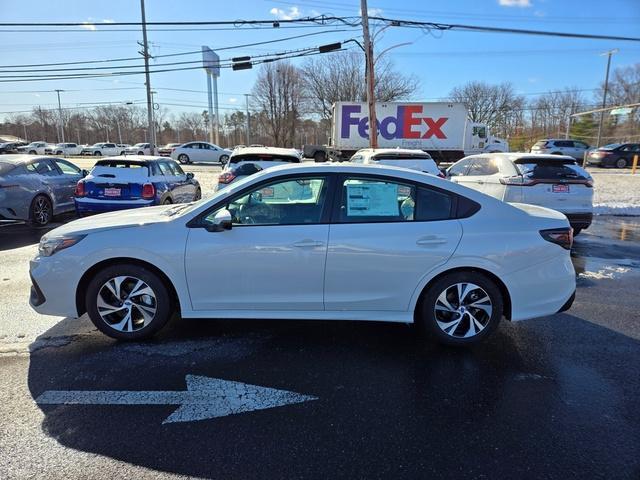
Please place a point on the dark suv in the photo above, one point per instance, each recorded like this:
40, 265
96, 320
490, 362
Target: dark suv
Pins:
553, 146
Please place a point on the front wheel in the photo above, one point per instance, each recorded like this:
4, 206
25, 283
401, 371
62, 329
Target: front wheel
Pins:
621, 163
224, 159
128, 302
182, 158
461, 308
41, 211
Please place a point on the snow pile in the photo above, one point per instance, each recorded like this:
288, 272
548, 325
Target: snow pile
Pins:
616, 192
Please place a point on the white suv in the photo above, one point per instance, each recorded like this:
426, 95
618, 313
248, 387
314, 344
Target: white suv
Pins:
398, 157
103, 150
553, 181
573, 148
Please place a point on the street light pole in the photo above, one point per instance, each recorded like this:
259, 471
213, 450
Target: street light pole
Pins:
145, 54
370, 75
60, 121
604, 96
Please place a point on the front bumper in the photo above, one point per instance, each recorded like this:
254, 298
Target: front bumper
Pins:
580, 220
52, 293
93, 205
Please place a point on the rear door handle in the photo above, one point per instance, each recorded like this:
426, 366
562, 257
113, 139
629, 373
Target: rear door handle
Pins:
308, 244
480, 182
431, 240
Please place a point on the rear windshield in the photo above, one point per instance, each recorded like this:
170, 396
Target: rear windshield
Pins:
399, 156
266, 157
550, 169
113, 168
6, 167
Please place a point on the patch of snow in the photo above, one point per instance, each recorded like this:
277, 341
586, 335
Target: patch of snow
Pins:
615, 193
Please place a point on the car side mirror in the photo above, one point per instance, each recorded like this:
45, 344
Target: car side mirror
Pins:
84, 173
190, 175
221, 222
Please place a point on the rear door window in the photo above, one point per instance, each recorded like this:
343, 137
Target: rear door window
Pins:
459, 168
67, 168
482, 167
368, 200
42, 167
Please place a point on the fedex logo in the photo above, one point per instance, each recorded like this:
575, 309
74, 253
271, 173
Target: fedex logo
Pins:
406, 124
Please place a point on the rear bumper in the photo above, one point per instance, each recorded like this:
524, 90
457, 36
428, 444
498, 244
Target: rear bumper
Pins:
93, 205
580, 220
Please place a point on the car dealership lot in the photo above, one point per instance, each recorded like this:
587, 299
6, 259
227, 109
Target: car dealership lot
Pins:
553, 397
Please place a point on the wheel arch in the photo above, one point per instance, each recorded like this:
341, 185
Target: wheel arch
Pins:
43, 194
86, 278
506, 296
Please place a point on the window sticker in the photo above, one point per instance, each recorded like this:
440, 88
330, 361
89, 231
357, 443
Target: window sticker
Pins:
372, 200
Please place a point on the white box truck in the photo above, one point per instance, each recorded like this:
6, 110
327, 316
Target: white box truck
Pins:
440, 128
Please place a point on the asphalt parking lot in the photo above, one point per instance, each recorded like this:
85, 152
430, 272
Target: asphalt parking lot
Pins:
555, 397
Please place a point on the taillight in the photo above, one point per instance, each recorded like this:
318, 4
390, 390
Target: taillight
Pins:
80, 192
589, 182
226, 177
148, 191
517, 180
559, 236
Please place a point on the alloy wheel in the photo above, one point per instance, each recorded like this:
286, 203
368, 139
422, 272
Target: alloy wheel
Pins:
41, 211
463, 310
126, 303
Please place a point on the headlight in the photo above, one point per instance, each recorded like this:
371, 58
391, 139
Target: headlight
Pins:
49, 246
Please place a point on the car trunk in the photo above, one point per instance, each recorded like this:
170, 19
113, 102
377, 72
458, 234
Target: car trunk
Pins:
116, 183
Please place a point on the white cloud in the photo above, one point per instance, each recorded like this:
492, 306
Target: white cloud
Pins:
515, 3
232, 100
373, 12
292, 13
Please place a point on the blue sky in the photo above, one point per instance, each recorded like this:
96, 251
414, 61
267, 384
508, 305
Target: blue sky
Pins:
440, 59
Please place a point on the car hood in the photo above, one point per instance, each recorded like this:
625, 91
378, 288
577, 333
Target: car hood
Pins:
109, 221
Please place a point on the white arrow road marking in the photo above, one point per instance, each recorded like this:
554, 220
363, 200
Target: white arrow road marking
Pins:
204, 398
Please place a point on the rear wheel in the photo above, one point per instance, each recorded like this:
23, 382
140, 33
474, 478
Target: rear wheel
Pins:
320, 157
621, 163
140, 153
461, 308
97, 154
32, 152
41, 211
224, 159
167, 201
183, 158
128, 302
198, 194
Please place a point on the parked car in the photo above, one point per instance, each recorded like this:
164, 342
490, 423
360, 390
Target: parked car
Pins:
617, 155
573, 148
196, 152
36, 188
11, 147
139, 149
63, 149
33, 148
551, 181
120, 183
165, 151
103, 150
249, 160
398, 157
350, 242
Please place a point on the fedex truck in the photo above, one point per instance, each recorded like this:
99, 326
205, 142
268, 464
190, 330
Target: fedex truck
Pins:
442, 129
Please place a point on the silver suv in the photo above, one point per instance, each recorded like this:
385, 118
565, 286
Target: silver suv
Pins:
573, 148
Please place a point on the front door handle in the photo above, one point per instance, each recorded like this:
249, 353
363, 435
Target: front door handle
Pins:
308, 244
431, 240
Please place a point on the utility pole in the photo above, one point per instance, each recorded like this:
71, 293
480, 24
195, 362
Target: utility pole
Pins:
246, 102
210, 105
370, 75
61, 123
604, 96
145, 54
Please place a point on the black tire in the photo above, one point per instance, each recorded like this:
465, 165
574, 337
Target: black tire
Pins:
41, 211
140, 153
162, 303
32, 152
430, 325
556, 153
621, 163
167, 201
59, 152
123, 153
320, 157
198, 194
183, 158
97, 154
224, 159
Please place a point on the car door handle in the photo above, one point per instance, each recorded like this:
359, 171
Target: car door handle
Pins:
431, 240
480, 182
308, 244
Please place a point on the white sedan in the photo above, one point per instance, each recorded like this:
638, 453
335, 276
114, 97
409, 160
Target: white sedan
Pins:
197, 152
314, 241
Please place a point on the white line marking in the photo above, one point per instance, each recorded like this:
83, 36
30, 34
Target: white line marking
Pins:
204, 398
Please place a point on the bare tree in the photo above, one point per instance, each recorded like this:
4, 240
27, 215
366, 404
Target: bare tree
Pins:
278, 94
341, 77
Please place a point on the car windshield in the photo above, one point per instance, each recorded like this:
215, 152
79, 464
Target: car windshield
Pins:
550, 169
264, 157
611, 146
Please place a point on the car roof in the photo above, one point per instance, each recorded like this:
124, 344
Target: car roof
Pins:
265, 150
22, 158
513, 156
136, 159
